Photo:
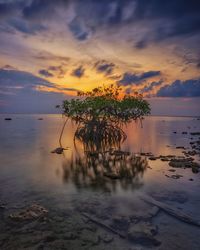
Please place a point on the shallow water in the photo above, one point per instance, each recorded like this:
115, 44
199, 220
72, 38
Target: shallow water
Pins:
69, 186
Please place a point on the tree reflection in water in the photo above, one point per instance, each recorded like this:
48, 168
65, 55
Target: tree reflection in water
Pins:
107, 168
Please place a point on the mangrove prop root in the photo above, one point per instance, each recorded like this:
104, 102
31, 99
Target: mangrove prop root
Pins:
61, 134
171, 210
99, 223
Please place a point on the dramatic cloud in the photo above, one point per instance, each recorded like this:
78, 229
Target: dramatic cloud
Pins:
45, 73
189, 88
104, 67
78, 29
11, 78
151, 86
58, 70
26, 27
163, 19
129, 78
114, 41
8, 9
78, 72
23, 92
42, 9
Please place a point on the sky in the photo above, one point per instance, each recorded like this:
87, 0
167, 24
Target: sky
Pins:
50, 49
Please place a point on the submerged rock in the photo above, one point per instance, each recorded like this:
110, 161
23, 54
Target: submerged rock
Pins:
8, 119
120, 222
180, 147
119, 153
195, 169
2, 206
106, 238
144, 214
174, 176
183, 163
32, 212
143, 233
165, 159
153, 158
195, 133
89, 238
147, 154
190, 153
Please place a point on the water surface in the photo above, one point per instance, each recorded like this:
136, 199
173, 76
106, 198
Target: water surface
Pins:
70, 185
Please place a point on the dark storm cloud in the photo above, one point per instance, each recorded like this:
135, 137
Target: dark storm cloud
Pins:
11, 78
18, 89
104, 67
151, 86
15, 78
43, 9
26, 27
59, 71
129, 78
78, 72
189, 88
45, 73
51, 71
8, 9
164, 19
78, 30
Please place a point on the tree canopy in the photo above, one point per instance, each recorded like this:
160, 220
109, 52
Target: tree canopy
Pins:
104, 104
100, 114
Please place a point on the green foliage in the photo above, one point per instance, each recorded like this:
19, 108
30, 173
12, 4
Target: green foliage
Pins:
100, 114
103, 104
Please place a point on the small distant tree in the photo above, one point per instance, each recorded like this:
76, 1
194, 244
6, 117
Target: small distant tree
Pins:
101, 113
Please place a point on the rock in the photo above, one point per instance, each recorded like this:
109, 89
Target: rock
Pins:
144, 214
190, 153
147, 154
89, 238
120, 222
191, 179
8, 119
32, 212
195, 133
195, 169
119, 153
167, 156
175, 132
165, 159
174, 176
172, 170
58, 150
70, 236
106, 238
40, 119
2, 206
184, 133
180, 147
183, 163
143, 233
152, 158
